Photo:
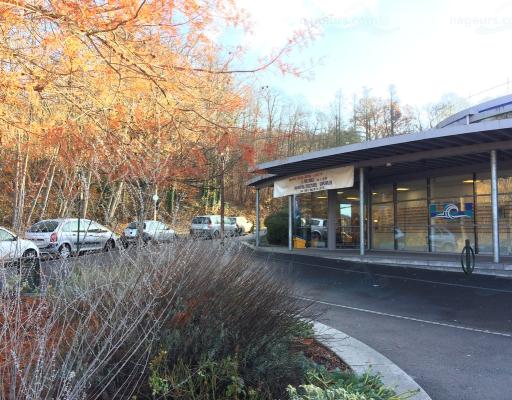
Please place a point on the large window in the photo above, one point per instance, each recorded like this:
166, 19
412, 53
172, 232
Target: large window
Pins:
451, 213
347, 234
484, 212
382, 218
310, 219
411, 230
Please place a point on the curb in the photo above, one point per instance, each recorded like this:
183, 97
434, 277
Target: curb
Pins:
499, 270
361, 357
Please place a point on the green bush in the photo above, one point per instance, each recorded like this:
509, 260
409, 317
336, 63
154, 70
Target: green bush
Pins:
277, 227
320, 384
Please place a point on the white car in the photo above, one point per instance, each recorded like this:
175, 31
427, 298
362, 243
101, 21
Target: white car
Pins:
13, 248
65, 237
154, 231
209, 226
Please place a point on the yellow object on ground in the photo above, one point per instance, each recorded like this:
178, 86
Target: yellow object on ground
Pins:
299, 243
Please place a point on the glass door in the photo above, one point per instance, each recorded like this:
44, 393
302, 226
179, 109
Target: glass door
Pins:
347, 232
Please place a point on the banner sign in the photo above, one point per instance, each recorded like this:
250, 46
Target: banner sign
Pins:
333, 178
451, 211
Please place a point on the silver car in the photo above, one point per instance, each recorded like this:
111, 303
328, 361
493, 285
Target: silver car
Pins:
13, 248
154, 231
65, 237
209, 226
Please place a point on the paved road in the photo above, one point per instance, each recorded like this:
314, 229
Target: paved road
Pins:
452, 334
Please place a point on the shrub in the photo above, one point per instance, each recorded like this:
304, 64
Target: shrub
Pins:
139, 325
320, 384
277, 227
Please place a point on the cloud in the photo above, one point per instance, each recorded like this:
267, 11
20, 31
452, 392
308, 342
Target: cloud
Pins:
273, 22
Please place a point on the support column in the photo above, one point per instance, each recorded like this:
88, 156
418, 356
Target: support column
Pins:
257, 222
290, 222
361, 211
494, 202
332, 218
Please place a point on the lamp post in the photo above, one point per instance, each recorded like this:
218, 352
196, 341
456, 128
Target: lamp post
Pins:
155, 202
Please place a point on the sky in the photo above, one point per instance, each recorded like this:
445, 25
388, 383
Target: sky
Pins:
425, 48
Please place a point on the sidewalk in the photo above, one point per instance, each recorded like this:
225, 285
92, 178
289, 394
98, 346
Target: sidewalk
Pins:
432, 261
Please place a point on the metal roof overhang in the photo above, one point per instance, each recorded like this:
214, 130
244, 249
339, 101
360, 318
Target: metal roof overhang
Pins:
433, 149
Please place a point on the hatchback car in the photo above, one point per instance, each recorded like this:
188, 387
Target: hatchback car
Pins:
65, 237
21, 253
154, 231
13, 248
209, 226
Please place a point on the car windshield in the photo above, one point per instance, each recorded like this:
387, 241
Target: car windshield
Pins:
133, 225
44, 226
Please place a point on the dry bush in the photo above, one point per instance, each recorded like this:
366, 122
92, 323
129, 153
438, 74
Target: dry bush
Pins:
100, 321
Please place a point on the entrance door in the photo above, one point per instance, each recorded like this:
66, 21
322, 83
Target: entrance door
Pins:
347, 232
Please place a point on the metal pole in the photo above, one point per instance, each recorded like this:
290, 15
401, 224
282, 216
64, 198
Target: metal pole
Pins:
257, 228
155, 201
332, 218
290, 222
494, 201
361, 211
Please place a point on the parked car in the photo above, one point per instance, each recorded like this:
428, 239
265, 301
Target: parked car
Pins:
59, 237
13, 249
209, 226
243, 225
318, 228
441, 238
154, 231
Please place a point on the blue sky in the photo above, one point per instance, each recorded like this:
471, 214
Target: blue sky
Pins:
424, 48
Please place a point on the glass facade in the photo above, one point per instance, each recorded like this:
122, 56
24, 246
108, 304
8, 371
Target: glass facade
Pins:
436, 214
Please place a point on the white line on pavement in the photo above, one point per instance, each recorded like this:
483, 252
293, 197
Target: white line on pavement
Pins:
488, 332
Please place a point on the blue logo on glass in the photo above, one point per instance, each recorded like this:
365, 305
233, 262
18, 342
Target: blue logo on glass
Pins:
451, 211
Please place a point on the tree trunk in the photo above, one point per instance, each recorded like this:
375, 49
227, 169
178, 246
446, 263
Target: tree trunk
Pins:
48, 190
87, 187
21, 177
39, 191
116, 199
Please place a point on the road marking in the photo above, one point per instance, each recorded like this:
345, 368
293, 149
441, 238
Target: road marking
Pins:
423, 321
399, 277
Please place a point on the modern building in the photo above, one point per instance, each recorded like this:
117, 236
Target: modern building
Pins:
428, 191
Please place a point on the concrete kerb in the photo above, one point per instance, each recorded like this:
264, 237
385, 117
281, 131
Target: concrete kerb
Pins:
361, 358
498, 270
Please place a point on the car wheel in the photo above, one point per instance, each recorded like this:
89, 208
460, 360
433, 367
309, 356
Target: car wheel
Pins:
216, 235
316, 236
109, 246
30, 268
65, 251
